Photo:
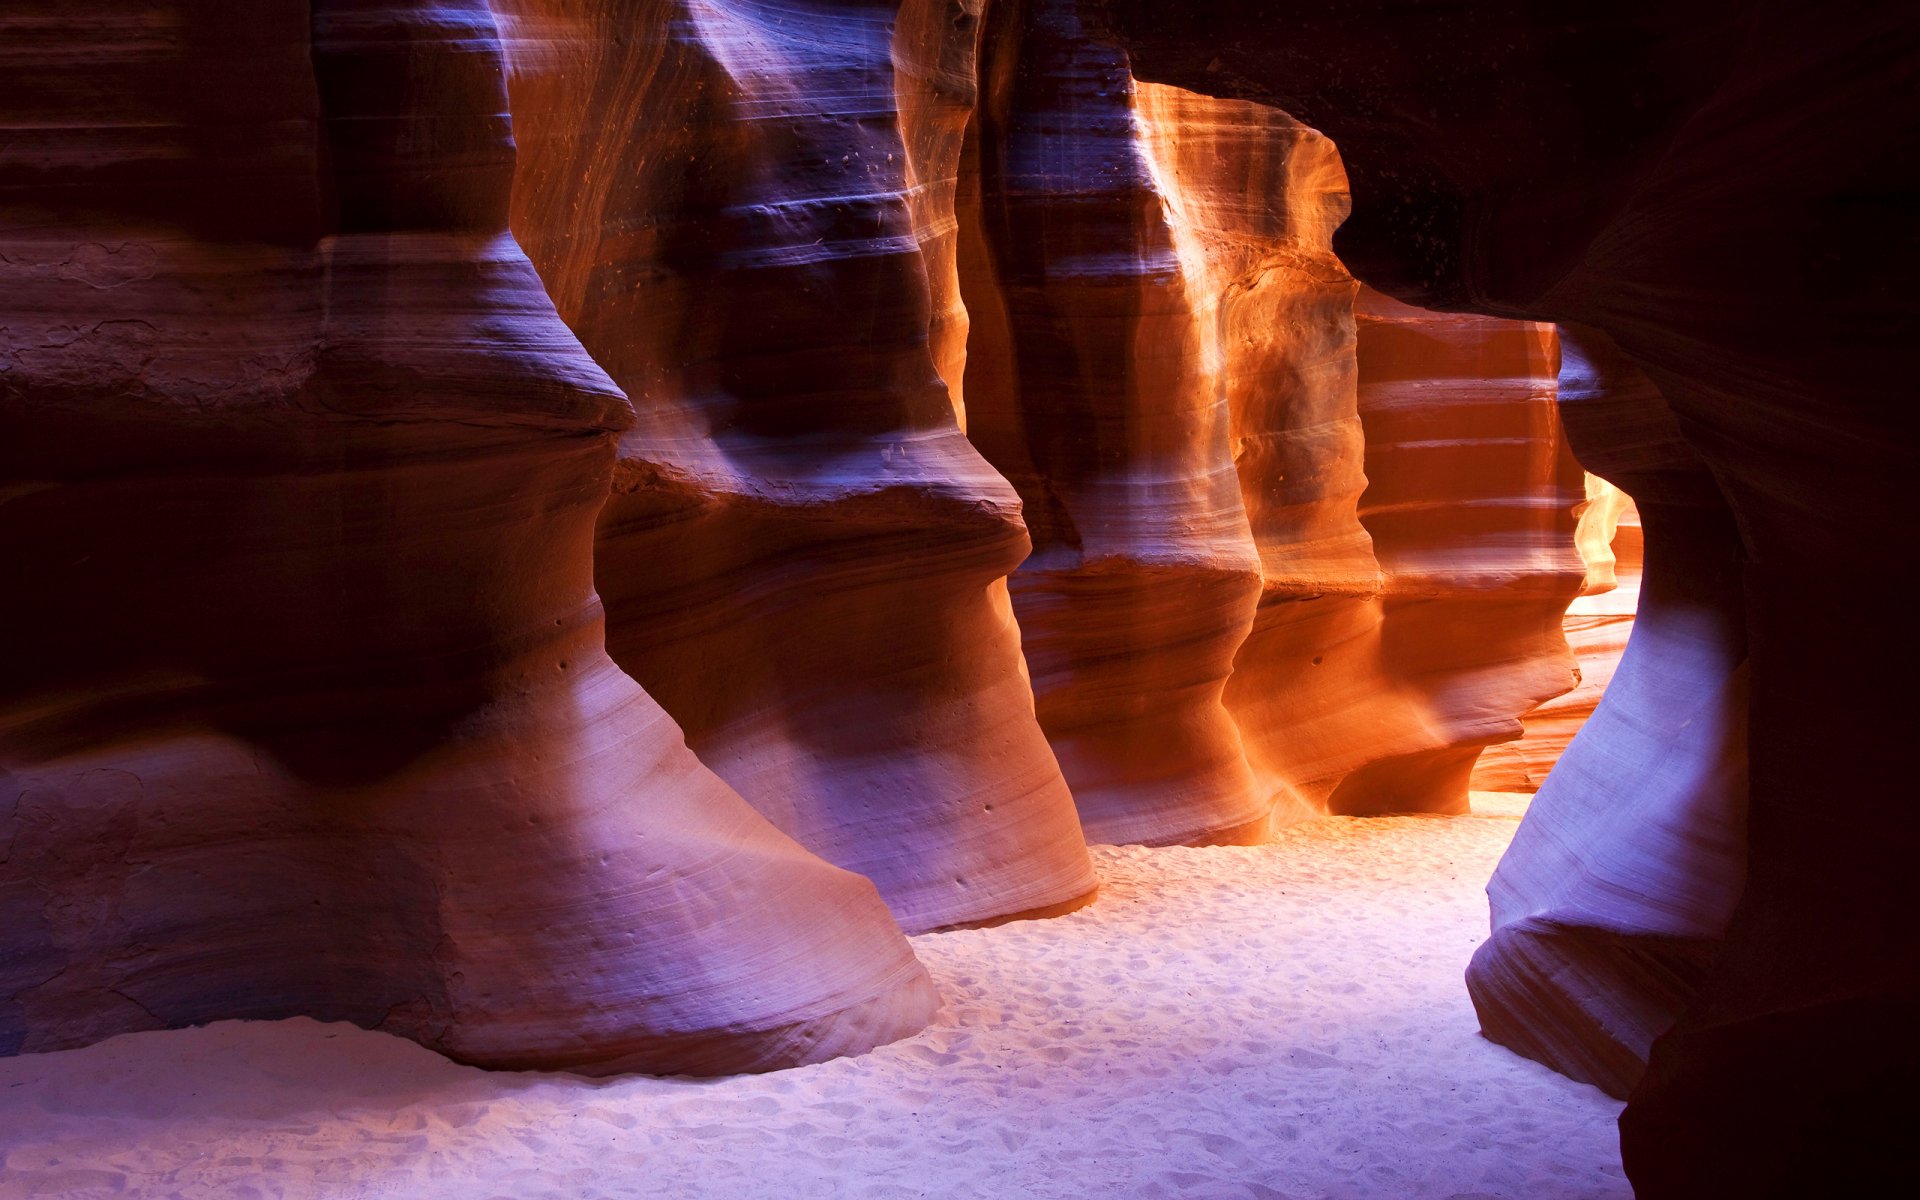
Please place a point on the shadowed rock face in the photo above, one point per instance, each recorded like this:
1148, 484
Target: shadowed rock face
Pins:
307, 709
1723, 189
804, 558
1163, 362
1610, 905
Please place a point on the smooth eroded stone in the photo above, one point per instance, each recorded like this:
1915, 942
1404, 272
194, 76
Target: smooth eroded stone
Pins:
1372, 684
308, 710
1278, 568
1609, 907
1090, 386
804, 558
1596, 625
1724, 188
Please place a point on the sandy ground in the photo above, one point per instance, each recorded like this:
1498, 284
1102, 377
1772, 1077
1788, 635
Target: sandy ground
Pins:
1279, 1021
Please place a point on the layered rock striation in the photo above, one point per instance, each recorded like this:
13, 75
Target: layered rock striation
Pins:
1092, 383
319, 710
1379, 697
1609, 907
1164, 362
804, 558
308, 710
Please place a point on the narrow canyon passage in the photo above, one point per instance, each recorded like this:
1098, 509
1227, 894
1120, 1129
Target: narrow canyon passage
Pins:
956, 597
1273, 1022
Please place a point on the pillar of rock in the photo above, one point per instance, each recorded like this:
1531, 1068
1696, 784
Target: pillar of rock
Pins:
1253, 198
307, 710
936, 86
1092, 386
804, 558
1609, 907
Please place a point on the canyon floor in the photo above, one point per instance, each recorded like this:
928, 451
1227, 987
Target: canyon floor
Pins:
1284, 1022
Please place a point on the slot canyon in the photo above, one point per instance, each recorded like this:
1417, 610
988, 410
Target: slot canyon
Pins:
957, 598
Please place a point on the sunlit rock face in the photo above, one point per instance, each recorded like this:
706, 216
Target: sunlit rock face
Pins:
1609, 538
1253, 198
1611, 903
804, 557
1710, 184
1163, 360
1371, 682
1094, 384
306, 709
1388, 698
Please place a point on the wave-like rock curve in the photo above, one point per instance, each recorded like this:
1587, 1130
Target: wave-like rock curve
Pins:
308, 711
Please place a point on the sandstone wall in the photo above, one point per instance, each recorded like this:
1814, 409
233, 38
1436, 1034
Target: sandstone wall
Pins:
804, 558
1092, 384
308, 711
1609, 907
1290, 556
400, 336
1713, 184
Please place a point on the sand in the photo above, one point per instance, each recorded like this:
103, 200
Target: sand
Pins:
1277, 1021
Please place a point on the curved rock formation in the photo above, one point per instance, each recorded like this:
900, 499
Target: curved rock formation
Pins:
803, 559
307, 710
1379, 697
1611, 903
1721, 186
936, 88
1088, 387
1253, 199
1163, 361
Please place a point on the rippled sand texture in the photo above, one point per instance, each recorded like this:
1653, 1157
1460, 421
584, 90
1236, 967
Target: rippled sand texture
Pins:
1271, 1021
